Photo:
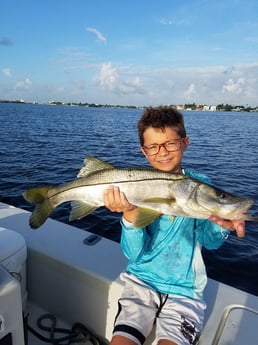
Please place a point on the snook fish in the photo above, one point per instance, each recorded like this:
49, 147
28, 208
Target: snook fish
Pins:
154, 192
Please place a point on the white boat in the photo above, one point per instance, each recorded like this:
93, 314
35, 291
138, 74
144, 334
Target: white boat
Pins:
79, 283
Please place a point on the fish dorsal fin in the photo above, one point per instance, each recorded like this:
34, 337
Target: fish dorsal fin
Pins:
81, 209
144, 217
93, 164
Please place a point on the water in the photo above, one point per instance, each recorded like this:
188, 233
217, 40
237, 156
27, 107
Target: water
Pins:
43, 144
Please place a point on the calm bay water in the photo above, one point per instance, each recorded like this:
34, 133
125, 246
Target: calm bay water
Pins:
43, 144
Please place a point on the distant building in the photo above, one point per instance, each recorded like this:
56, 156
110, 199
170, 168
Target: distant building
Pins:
209, 107
180, 107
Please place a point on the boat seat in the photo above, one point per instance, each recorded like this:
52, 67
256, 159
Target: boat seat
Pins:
238, 325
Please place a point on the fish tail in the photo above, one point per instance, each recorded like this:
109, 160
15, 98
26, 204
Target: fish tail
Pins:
43, 206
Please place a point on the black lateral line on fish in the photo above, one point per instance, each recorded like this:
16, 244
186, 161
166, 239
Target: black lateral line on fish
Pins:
100, 183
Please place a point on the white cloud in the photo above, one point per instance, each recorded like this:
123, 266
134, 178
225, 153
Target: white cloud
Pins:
109, 78
207, 85
190, 93
143, 85
71, 59
99, 35
24, 84
172, 21
234, 87
7, 71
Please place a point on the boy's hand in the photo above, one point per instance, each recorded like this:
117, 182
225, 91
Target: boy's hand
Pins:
116, 201
237, 224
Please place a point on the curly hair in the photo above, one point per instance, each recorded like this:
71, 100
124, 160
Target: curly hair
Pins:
161, 117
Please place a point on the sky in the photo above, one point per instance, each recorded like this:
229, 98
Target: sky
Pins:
130, 52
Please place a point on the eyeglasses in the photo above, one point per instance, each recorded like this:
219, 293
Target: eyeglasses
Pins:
170, 146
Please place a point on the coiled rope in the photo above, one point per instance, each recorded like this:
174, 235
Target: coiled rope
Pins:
48, 323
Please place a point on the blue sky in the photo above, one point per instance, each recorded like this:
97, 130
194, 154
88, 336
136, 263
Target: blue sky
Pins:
137, 52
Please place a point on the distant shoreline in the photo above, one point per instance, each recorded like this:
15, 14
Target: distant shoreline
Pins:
185, 107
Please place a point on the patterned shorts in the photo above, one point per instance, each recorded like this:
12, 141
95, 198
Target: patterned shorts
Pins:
176, 318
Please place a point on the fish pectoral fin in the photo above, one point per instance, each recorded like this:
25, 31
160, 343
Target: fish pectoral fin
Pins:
144, 217
166, 201
93, 164
81, 209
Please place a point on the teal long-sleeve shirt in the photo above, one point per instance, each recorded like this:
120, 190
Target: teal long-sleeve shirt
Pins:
167, 254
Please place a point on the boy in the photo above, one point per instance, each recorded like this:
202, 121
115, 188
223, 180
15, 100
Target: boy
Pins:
165, 275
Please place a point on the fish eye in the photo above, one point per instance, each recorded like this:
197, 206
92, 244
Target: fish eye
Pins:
222, 195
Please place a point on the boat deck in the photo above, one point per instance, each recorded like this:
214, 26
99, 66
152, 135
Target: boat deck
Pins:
80, 283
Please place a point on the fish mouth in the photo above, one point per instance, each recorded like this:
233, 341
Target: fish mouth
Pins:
245, 205
232, 211
240, 210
